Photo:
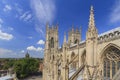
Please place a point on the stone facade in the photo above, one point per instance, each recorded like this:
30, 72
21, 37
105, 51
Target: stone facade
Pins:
96, 58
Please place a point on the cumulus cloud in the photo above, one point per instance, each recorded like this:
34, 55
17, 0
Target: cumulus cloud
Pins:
32, 48
41, 42
7, 8
26, 16
115, 14
5, 36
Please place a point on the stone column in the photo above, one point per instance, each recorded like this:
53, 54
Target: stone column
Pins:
44, 73
51, 71
106, 68
65, 71
103, 68
116, 67
55, 70
110, 69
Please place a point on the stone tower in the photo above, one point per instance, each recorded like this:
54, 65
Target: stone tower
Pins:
74, 36
91, 43
51, 51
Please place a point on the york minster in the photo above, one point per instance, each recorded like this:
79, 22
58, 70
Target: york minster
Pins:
95, 58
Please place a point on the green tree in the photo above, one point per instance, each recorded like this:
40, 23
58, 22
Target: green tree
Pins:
26, 66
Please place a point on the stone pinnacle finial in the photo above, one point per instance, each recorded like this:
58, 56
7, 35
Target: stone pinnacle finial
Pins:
72, 28
80, 29
47, 24
92, 8
64, 37
91, 19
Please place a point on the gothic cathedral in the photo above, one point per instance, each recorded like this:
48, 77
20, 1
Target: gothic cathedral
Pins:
96, 58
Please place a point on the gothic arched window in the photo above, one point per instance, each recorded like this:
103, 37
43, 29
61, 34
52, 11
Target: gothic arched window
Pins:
76, 41
111, 62
52, 42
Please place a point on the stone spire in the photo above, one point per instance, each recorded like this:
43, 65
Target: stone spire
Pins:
91, 19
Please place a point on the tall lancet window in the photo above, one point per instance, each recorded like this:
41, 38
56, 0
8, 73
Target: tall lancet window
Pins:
76, 41
52, 42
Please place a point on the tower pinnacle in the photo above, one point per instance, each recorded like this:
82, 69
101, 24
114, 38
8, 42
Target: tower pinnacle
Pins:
91, 19
64, 37
92, 31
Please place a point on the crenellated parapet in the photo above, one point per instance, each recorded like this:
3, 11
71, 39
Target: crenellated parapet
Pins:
109, 35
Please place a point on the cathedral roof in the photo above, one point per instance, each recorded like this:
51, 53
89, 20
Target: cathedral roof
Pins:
110, 31
100, 35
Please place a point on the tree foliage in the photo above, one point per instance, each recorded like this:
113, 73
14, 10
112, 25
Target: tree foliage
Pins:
26, 66
23, 67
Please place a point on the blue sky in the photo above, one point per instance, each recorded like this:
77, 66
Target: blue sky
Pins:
22, 22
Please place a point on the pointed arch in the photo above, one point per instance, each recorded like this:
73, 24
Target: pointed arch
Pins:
83, 57
73, 64
106, 47
76, 41
52, 42
72, 55
110, 59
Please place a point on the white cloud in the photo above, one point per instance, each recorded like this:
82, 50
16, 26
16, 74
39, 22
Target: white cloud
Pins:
7, 8
40, 42
115, 14
30, 37
0, 25
40, 29
10, 28
6, 53
22, 51
5, 36
18, 8
45, 11
26, 16
32, 48
29, 16
2, 51
1, 21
